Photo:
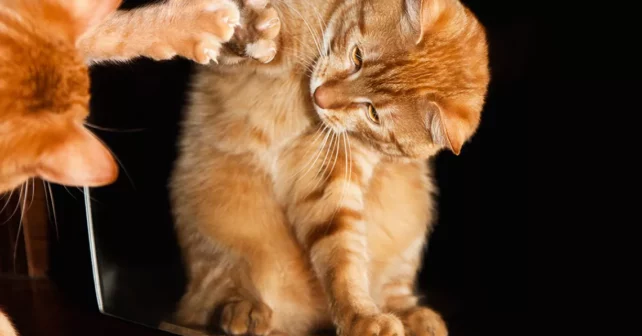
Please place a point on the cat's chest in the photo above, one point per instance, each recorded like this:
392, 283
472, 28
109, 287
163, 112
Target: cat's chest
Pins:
257, 114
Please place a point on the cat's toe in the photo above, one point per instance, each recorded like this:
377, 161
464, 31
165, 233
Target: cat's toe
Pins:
160, 52
207, 50
422, 321
268, 24
246, 318
220, 19
262, 50
375, 325
256, 4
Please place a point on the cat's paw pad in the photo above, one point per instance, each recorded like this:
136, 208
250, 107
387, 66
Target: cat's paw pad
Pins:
198, 29
246, 318
374, 325
255, 38
423, 321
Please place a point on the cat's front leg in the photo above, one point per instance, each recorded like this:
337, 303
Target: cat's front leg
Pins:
194, 29
327, 213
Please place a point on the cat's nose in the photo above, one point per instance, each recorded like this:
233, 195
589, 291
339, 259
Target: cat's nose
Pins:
329, 97
322, 97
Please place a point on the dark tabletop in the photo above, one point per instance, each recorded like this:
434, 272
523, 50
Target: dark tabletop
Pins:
38, 308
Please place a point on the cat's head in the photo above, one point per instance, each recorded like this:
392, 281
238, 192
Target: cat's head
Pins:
44, 94
408, 76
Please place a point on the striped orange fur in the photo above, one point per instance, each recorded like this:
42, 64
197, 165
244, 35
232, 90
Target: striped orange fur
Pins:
301, 195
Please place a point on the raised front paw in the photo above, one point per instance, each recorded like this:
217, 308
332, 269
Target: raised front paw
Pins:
246, 318
196, 29
422, 321
374, 325
255, 38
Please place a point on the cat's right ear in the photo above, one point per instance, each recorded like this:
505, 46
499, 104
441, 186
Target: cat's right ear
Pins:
80, 160
423, 16
450, 126
88, 13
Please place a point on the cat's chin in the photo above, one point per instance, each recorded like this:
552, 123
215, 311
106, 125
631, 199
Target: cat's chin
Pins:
328, 120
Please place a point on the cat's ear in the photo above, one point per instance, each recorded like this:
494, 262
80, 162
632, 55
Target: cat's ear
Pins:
450, 126
426, 15
88, 13
80, 160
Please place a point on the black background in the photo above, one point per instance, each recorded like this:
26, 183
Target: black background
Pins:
476, 266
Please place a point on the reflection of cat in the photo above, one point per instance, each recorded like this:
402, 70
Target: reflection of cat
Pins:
44, 85
301, 195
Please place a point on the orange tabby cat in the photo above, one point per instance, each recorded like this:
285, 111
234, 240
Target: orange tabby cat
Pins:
301, 195
44, 85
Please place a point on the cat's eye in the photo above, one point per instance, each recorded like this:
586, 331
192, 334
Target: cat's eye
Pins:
357, 58
372, 114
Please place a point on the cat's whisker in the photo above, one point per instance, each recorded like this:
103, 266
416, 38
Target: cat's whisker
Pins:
327, 132
327, 152
106, 129
33, 191
316, 42
17, 204
336, 157
51, 208
120, 163
319, 132
312, 162
305, 61
23, 199
8, 200
70, 194
322, 167
347, 170
322, 24
82, 191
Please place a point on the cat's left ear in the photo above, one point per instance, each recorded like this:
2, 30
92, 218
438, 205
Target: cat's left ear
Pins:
450, 126
424, 16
